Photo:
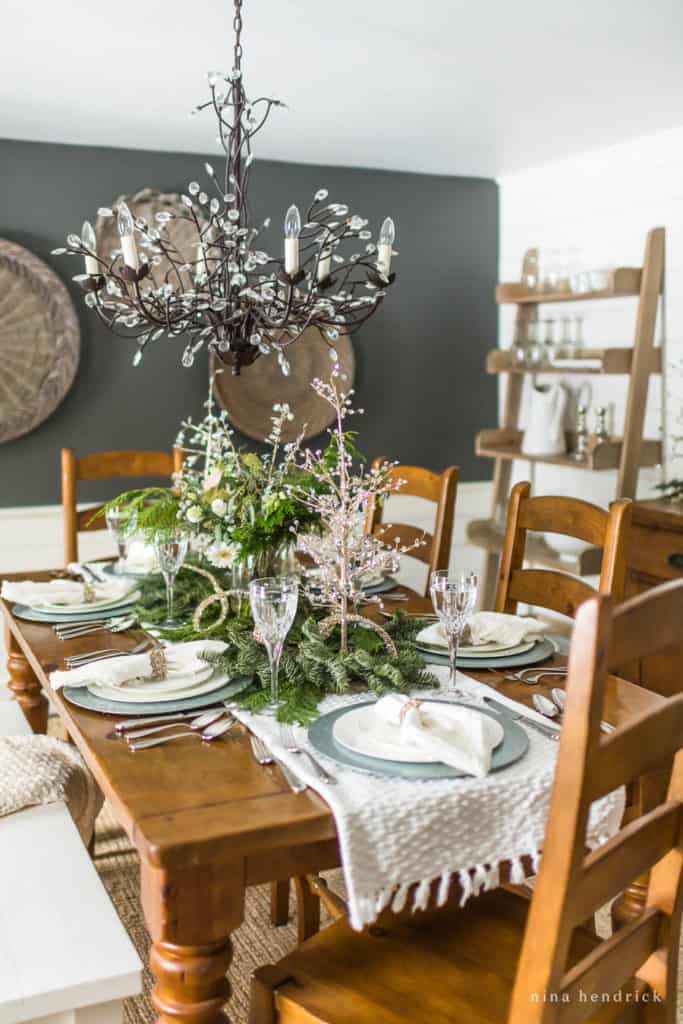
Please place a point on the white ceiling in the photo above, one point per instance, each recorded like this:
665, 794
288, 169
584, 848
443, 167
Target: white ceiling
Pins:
446, 86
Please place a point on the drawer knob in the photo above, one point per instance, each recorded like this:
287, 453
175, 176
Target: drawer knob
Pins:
676, 561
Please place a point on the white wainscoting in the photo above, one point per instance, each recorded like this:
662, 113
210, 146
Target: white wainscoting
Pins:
31, 538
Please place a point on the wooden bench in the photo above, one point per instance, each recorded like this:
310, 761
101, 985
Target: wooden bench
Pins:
65, 958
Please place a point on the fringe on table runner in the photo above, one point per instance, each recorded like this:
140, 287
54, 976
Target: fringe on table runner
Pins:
472, 881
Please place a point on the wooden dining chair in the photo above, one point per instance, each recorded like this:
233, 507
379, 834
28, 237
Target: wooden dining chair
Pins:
550, 588
499, 959
104, 466
439, 488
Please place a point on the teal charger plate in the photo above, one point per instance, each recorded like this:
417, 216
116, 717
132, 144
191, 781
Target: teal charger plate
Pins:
80, 696
541, 651
511, 749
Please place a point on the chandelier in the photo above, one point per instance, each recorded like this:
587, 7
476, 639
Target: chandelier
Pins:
233, 296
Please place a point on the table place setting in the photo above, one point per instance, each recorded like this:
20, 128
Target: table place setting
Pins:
62, 601
419, 790
169, 678
491, 640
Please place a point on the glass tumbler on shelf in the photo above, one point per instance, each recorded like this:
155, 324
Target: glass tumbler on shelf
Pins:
121, 522
273, 603
453, 594
170, 547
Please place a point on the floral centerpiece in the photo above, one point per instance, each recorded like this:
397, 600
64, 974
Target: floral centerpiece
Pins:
239, 506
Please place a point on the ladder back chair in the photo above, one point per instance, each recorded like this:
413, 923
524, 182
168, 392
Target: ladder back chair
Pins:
550, 588
439, 488
499, 959
105, 466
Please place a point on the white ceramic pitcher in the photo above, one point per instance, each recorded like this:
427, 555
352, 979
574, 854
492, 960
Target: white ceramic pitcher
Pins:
544, 434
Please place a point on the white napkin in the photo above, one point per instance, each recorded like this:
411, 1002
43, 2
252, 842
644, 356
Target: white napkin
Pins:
487, 628
184, 658
455, 735
141, 557
62, 592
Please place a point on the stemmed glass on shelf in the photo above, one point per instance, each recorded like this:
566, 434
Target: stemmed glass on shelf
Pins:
121, 522
454, 594
170, 547
274, 601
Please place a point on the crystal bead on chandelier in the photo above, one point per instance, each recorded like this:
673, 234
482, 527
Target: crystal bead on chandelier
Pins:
234, 297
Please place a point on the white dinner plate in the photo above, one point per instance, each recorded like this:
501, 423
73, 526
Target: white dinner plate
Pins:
124, 695
92, 606
175, 680
480, 651
361, 732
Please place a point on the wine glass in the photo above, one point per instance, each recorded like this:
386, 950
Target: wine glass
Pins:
274, 601
453, 597
170, 547
121, 522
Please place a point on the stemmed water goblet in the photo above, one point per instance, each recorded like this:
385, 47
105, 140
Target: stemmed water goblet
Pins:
274, 601
170, 547
453, 594
121, 522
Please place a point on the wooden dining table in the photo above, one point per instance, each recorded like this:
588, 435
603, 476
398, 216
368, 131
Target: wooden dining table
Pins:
206, 820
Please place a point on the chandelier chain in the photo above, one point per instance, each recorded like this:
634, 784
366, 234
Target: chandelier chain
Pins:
237, 26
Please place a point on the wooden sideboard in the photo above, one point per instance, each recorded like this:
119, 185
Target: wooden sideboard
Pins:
656, 556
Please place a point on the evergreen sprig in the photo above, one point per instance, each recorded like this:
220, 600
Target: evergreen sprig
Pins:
311, 665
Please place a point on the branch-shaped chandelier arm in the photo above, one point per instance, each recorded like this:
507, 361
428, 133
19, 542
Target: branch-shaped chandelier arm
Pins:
211, 281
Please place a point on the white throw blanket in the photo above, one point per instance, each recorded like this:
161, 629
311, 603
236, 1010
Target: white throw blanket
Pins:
63, 592
394, 833
186, 658
42, 770
450, 733
487, 628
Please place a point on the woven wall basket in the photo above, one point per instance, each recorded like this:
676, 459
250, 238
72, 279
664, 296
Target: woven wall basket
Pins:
248, 399
39, 341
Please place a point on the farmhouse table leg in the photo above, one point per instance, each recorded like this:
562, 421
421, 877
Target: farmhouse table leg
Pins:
279, 903
190, 913
25, 687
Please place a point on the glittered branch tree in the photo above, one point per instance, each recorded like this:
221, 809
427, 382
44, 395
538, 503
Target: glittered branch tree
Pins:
344, 554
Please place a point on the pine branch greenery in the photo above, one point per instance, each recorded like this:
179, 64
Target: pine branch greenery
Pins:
311, 665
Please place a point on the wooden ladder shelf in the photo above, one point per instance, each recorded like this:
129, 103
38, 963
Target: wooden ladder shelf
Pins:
626, 454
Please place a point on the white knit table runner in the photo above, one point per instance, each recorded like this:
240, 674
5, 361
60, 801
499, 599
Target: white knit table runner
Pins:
394, 833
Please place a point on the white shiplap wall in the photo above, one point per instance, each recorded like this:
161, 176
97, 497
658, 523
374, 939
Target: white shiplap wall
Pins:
31, 538
603, 203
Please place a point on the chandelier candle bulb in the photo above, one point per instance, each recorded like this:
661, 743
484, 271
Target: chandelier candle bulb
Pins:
92, 267
124, 224
292, 231
385, 244
324, 264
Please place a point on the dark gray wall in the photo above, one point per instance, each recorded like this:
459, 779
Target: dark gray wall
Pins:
420, 359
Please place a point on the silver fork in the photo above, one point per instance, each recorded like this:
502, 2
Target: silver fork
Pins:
77, 660
289, 743
264, 756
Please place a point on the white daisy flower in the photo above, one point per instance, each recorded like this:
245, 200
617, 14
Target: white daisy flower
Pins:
221, 555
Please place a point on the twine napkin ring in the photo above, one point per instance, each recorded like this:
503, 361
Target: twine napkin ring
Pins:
89, 595
159, 665
409, 705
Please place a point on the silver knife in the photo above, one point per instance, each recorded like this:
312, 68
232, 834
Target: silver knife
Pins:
552, 734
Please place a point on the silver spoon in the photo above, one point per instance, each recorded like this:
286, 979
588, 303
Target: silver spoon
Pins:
560, 698
197, 725
212, 732
544, 706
